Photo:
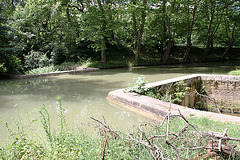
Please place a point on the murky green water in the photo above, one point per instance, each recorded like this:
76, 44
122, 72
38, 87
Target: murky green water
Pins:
84, 95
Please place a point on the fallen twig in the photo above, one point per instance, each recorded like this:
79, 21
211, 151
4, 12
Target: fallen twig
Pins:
104, 144
182, 116
220, 140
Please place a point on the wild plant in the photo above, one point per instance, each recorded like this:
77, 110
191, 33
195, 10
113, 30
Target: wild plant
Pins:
61, 110
45, 120
20, 146
179, 91
139, 85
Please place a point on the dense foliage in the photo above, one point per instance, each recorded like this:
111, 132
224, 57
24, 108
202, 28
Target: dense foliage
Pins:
110, 30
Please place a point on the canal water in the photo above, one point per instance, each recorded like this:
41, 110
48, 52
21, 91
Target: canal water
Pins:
84, 96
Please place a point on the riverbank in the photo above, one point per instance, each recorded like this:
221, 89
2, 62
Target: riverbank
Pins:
40, 75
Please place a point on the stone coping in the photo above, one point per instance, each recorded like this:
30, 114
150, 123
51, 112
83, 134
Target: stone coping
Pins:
77, 71
157, 109
200, 76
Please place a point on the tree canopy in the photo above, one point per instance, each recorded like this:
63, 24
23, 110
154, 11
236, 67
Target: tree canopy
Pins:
70, 30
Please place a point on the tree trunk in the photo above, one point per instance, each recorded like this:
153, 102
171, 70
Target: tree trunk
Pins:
103, 30
189, 44
208, 33
232, 38
167, 51
110, 19
138, 34
164, 37
135, 32
68, 14
170, 36
103, 55
211, 32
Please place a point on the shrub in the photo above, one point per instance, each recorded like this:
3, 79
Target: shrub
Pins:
139, 86
43, 70
178, 92
234, 72
10, 64
58, 54
36, 59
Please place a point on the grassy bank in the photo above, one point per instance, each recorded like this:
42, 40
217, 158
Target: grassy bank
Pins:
144, 142
235, 72
126, 58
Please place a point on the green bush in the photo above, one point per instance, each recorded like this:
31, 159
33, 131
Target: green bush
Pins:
58, 54
235, 72
10, 64
2, 68
36, 59
43, 70
178, 92
139, 86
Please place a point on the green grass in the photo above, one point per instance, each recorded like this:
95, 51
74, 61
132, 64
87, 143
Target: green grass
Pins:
65, 143
235, 72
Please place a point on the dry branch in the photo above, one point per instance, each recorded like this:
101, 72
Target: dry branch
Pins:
104, 144
217, 145
205, 96
181, 115
220, 140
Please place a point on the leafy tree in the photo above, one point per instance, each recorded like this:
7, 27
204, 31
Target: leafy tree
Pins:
234, 16
67, 30
9, 61
191, 12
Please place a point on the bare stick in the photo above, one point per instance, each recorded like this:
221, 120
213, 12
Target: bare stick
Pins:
168, 116
167, 135
104, 144
182, 130
104, 120
104, 126
189, 122
209, 98
220, 140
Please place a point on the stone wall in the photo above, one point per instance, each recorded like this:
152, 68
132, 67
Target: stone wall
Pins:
192, 81
225, 90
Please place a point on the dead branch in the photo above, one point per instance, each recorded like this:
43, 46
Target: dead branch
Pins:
105, 126
182, 130
181, 115
205, 96
104, 144
217, 145
218, 136
220, 140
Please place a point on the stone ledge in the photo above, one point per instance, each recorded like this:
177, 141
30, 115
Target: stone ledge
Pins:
157, 109
79, 70
224, 78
